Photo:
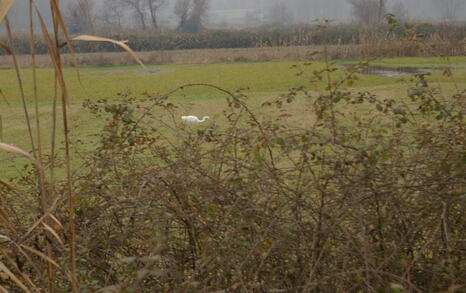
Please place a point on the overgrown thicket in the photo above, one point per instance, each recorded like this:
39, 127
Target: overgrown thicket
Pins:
369, 196
292, 36
347, 203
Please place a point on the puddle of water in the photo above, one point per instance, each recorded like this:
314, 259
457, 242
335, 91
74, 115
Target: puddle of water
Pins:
391, 72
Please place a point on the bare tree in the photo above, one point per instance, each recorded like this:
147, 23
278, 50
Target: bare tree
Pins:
369, 11
382, 10
145, 11
182, 11
112, 14
198, 13
79, 16
86, 7
137, 7
154, 7
191, 14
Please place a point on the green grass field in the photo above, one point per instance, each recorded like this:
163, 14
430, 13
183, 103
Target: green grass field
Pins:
259, 80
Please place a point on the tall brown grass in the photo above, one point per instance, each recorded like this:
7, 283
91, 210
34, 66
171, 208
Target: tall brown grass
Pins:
30, 245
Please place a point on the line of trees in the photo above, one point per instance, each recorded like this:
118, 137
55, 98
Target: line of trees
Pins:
143, 13
81, 15
373, 11
190, 16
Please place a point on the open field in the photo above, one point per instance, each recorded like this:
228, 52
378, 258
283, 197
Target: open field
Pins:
260, 81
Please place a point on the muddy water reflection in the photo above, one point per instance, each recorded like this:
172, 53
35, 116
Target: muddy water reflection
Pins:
392, 71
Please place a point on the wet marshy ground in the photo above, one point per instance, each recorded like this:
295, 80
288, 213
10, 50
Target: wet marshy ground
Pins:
393, 72
399, 71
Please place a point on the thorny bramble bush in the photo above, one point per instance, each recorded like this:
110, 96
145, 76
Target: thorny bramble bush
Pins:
349, 203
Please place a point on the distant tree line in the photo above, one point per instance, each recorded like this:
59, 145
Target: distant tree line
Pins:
190, 16
82, 15
372, 11
297, 35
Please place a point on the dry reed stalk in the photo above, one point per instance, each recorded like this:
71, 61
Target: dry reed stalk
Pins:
4, 98
5, 6
34, 78
14, 265
37, 156
17, 151
20, 84
57, 62
6, 48
44, 199
4, 219
47, 221
21, 153
53, 140
122, 44
56, 58
13, 277
10, 186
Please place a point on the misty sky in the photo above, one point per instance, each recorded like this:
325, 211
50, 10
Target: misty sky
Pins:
301, 10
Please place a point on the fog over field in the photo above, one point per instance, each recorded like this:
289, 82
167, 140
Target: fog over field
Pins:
249, 13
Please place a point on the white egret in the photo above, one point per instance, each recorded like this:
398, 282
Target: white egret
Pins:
194, 119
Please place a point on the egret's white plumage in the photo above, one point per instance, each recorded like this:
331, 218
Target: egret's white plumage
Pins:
194, 119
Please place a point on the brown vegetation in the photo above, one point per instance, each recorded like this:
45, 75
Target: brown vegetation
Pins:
433, 47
